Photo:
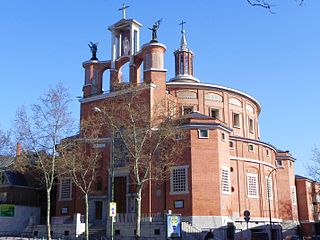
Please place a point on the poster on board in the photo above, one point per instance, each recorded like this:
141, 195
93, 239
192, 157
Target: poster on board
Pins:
173, 226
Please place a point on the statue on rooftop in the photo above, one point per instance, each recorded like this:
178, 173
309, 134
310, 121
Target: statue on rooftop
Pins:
154, 30
93, 48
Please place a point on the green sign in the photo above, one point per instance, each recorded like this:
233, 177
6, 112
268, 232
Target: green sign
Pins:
7, 210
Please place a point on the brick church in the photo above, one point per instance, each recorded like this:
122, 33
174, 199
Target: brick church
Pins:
227, 169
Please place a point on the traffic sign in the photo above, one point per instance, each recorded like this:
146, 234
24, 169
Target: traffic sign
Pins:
113, 209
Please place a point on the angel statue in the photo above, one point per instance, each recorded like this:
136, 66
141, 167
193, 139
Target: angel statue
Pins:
154, 30
93, 48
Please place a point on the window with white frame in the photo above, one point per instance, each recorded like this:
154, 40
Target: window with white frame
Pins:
225, 180
252, 185
65, 188
293, 195
187, 110
179, 180
214, 113
236, 120
203, 133
269, 188
279, 163
251, 125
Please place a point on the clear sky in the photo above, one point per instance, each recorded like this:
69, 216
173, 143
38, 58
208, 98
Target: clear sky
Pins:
273, 57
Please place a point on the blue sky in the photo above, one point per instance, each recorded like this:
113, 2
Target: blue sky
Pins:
273, 57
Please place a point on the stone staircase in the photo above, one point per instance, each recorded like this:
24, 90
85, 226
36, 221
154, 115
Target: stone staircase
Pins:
96, 231
191, 232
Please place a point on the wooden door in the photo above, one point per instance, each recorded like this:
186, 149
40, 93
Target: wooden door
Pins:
120, 192
98, 214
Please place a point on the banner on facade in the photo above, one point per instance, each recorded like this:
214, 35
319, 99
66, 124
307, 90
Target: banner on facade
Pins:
173, 226
7, 210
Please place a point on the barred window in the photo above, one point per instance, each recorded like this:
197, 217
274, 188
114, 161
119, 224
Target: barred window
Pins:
293, 195
225, 180
179, 180
269, 188
65, 188
252, 183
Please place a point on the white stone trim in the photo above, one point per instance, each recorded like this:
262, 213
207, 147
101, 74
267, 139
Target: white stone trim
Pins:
60, 189
253, 175
185, 167
216, 87
251, 160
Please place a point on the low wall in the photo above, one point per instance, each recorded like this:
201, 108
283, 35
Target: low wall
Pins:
22, 217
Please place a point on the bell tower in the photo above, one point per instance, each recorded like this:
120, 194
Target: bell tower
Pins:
183, 61
124, 45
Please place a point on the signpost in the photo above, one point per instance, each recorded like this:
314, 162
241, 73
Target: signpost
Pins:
246, 214
113, 209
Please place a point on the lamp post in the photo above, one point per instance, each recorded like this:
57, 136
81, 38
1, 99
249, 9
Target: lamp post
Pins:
268, 192
112, 184
111, 200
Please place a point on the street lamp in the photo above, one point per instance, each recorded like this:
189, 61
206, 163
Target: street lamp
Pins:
269, 193
111, 200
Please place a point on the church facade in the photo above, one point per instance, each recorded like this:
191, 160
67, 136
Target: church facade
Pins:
227, 168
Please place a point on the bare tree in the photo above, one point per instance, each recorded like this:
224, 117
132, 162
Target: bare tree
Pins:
146, 138
314, 168
6, 153
80, 159
267, 4
49, 122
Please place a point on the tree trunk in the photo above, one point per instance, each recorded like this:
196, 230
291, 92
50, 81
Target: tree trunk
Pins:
48, 214
138, 221
86, 216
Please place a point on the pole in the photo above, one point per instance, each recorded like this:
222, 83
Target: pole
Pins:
268, 192
112, 184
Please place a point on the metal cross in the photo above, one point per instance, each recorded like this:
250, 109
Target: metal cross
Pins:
182, 22
123, 9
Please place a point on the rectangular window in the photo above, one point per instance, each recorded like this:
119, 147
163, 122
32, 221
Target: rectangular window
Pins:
252, 185
179, 180
236, 120
267, 152
3, 178
293, 195
3, 197
65, 188
223, 136
135, 41
214, 113
231, 144
203, 133
251, 125
225, 181
279, 163
187, 110
269, 188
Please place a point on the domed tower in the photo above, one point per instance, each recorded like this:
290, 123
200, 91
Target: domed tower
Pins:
183, 61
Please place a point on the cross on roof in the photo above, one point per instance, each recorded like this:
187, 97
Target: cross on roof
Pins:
123, 9
182, 22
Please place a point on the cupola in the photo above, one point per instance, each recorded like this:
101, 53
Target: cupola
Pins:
183, 61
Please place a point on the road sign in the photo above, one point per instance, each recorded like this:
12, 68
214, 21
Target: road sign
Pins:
113, 209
